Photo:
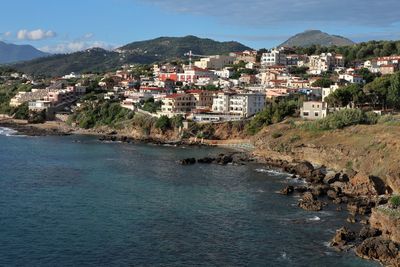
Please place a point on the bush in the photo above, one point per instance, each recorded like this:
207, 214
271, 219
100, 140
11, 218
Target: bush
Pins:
342, 119
163, 123
21, 112
276, 135
395, 201
295, 138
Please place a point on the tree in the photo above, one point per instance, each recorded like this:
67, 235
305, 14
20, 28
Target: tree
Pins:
163, 123
377, 90
393, 96
322, 82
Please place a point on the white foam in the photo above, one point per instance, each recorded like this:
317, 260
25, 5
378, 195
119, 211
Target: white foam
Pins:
7, 131
314, 219
270, 171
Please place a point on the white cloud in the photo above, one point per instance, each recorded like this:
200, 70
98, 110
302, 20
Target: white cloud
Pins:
7, 34
35, 35
74, 46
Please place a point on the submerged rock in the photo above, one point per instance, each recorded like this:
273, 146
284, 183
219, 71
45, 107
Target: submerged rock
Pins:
288, 190
188, 161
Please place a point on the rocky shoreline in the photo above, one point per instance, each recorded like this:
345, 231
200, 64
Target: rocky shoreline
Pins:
327, 187
360, 194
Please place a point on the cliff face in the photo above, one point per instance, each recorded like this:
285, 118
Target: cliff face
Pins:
387, 222
372, 151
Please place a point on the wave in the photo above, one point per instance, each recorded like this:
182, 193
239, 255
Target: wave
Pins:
7, 131
314, 219
270, 171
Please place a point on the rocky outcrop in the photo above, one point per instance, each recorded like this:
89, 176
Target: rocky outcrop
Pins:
378, 248
309, 203
288, 190
188, 161
343, 238
304, 169
365, 185
386, 222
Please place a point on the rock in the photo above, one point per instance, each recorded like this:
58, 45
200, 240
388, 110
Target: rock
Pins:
288, 190
206, 160
344, 178
314, 205
301, 189
304, 169
224, 159
367, 232
351, 219
188, 161
331, 177
387, 224
332, 194
337, 201
360, 206
365, 221
342, 238
308, 196
319, 190
377, 248
317, 176
365, 185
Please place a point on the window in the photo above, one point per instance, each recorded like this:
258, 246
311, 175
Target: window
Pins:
316, 114
305, 114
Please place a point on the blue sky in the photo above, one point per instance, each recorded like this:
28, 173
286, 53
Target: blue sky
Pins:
70, 25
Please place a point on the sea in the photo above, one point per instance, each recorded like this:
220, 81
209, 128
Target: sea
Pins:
76, 201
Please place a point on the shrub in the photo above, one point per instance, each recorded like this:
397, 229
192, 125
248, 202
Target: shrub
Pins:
276, 135
342, 119
295, 138
395, 201
21, 112
163, 123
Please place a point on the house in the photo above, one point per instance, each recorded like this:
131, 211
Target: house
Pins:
313, 110
203, 98
388, 69
191, 75
352, 78
245, 56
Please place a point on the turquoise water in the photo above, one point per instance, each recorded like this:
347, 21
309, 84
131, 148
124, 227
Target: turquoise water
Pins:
86, 203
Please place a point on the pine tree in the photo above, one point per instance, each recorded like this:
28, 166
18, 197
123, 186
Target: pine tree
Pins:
393, 97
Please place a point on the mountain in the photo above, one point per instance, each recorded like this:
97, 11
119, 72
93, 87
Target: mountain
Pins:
176, 47
13, 53
144, 52
316, 37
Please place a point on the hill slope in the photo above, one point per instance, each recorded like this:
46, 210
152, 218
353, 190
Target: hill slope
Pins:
144, 52
316, 37
176, 47
13, 53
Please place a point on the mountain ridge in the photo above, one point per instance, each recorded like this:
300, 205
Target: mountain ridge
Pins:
10, 53
316, 37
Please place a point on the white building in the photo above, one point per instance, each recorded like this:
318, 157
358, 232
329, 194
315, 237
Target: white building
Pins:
352, 78
274, 57
214, 62
313, 110
243, 105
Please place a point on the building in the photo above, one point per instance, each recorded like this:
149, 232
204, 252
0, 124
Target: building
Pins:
245, 56
191, 75
243, 105
388, 69
274, 57
175, 104
324, 62
352, 78
313, 110
203, 98
214, 62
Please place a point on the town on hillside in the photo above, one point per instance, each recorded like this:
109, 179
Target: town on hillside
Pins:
217, 88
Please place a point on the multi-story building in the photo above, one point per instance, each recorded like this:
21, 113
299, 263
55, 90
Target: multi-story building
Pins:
352, 78
214, 62
245, 56
203, 98
274, 57
243, 105
313, 110
191, 75
175, 104
324, 62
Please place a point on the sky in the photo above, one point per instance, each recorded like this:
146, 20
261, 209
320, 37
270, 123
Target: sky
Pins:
64, 26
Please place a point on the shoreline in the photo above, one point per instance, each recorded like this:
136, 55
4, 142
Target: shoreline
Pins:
315, 193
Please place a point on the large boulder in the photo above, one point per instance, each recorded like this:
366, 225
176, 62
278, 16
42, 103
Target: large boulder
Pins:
206, 160
304, 169
331, 177
224, 159
385, 222
365, 185
377, 248
367, 232
342, 239
288, 190
309, 203
188, 161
